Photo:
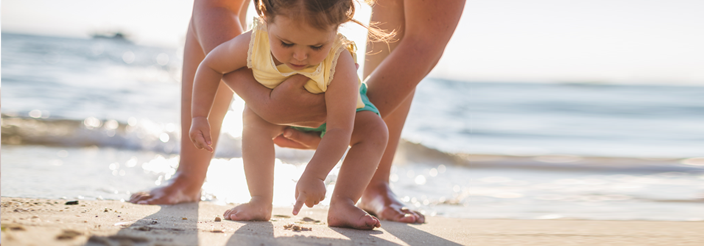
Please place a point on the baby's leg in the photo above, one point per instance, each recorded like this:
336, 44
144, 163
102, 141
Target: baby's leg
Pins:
258, 158
368, 143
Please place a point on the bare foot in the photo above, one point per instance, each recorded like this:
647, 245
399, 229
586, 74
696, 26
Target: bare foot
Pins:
179, 189
379, 200
254, 210
344, 213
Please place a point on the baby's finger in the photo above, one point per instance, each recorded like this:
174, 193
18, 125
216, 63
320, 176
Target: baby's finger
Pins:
204, 141
299, 203
201, 143
207, 147
208, 140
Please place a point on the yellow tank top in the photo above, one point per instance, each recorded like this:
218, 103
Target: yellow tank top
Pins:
267, 73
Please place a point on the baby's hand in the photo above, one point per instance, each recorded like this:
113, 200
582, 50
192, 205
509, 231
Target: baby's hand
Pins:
309, 190
200, 133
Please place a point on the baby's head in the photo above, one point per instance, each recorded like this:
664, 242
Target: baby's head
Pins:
302, 32
319, 14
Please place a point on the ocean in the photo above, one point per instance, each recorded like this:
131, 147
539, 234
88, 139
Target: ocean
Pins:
98, 119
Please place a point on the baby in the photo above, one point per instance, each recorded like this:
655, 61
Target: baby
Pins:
299, 37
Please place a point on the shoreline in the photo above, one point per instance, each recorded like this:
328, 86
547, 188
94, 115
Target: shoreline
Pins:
51, 222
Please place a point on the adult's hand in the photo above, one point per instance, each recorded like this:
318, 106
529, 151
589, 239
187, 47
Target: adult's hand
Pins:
292, 138
295, 105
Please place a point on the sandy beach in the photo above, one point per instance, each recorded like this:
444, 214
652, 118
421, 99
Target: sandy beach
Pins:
53, 222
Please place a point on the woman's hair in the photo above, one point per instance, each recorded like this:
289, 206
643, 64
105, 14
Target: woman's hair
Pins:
320, 14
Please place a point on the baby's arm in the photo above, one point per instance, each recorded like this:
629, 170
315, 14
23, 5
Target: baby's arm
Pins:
226, 57
341, 101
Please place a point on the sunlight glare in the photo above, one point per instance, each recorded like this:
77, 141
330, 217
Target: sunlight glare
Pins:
128, 57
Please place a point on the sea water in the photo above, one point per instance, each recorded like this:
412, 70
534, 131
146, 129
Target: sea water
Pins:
99, 119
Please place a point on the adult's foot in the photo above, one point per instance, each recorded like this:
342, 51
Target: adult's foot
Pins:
254, 210
179, 189
379, 200
344, 213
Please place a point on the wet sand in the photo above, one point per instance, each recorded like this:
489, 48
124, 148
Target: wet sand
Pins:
52, 222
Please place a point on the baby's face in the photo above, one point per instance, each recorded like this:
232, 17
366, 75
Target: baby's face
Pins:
297, 44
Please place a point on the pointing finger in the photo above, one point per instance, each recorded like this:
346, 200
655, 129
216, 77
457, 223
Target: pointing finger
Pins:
299, 203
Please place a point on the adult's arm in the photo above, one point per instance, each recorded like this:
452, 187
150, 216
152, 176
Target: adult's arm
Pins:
216, 21
287, 104
427, 30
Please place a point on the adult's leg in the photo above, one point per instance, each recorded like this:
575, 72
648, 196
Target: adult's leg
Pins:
378, 197
186, 183
424, 28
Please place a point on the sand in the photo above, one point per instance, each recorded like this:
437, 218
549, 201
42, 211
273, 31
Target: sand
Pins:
52, 222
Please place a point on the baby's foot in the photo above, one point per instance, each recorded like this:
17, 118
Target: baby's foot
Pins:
345, 214
254, 210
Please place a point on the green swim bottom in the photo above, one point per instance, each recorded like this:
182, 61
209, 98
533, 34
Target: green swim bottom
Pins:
368, 106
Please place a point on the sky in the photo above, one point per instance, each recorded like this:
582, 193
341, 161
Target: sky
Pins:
596, 41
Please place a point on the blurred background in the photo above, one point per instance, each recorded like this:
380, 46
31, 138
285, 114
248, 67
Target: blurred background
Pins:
538, 110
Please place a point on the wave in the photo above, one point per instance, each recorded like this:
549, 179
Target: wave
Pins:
146, 135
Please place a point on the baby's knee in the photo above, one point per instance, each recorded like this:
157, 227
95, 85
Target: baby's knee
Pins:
375, 132
381, 132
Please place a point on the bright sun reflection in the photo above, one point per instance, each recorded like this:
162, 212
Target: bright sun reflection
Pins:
227, 182
232, 124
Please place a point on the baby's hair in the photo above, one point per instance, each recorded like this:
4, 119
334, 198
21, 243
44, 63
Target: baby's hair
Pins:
320, 14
